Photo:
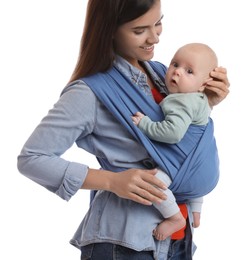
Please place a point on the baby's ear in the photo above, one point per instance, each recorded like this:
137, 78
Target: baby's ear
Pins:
206, 81
202, 87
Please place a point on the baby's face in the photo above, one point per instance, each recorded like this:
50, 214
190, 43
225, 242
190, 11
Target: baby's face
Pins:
188, 71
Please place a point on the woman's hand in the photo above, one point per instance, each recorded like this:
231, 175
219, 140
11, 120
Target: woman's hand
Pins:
138, 185
218, 88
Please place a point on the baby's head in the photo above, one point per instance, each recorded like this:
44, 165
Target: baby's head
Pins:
190, 68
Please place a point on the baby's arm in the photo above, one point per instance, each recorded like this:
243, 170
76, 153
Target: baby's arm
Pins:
171, 130
180, 111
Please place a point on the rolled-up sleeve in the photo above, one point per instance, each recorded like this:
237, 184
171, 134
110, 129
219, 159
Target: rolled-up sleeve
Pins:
71, 182
72, 117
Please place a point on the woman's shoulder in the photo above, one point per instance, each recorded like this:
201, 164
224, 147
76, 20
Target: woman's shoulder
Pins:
78, 96
78, 87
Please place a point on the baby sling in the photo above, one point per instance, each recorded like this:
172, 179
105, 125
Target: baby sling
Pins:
192, 164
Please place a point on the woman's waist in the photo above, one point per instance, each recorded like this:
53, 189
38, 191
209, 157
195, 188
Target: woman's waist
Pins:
112, 218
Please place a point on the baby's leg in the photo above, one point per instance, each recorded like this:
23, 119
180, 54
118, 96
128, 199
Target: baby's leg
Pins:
169, 209
169, 226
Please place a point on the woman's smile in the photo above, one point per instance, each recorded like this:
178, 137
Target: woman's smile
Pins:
148, 48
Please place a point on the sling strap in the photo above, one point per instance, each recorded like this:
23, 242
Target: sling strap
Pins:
192, 164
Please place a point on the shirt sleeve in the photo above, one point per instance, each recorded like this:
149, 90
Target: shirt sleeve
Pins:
179, 114
40, 159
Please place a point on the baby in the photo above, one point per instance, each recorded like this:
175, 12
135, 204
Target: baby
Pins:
186, 78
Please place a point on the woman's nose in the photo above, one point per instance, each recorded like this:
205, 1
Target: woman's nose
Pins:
154, 36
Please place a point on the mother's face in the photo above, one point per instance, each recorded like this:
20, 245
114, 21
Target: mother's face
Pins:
135, 40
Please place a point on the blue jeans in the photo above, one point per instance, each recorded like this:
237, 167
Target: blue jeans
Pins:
178, 250
181, 249
107, 251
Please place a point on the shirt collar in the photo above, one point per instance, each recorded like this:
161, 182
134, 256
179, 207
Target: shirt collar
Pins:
137, 76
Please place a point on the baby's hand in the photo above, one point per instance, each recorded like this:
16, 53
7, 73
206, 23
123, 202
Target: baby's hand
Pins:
136, 118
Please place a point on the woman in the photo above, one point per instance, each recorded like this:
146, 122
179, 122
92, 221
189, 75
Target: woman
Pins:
118, 34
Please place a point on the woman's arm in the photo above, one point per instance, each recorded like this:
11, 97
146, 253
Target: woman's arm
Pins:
218, 88
73, 117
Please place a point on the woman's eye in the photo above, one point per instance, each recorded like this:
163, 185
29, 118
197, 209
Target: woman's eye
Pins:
160, 21
139, 32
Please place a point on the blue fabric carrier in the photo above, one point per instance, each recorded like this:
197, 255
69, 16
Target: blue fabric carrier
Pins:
192, 164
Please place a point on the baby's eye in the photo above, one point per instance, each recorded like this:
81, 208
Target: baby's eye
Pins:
174, 64
189, 71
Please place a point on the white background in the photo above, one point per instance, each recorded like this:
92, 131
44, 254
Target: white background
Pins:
38, 50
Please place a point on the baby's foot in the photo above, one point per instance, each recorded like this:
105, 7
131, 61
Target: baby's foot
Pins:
169, 226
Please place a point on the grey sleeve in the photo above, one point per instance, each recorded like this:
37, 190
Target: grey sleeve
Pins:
196, 204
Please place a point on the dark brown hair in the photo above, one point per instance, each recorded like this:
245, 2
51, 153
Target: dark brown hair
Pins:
103, 17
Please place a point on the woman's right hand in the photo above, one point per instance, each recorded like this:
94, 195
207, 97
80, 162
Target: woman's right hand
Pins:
218, 88
139, 185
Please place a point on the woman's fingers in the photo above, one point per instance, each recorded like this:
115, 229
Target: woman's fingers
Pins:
218, 88
150, 194
220, 74
140, 186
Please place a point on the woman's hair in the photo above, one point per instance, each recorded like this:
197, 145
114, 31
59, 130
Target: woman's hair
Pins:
103, 17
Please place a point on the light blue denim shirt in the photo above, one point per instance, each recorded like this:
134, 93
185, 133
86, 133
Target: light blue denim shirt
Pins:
79, 117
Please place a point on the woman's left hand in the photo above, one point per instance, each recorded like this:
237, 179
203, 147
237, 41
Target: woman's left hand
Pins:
218, 88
